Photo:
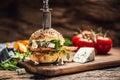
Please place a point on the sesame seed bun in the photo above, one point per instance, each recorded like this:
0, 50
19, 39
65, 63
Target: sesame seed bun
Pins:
47, 58
47, 34
41, 54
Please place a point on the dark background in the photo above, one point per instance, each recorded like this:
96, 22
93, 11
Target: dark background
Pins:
20, 18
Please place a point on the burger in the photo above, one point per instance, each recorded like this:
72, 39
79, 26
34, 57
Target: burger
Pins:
47, 46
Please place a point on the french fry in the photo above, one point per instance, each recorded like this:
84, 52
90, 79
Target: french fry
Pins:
71, 48
20, 45
24, 42
16, 47
7, 43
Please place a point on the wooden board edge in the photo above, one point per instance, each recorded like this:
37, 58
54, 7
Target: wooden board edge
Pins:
74, 69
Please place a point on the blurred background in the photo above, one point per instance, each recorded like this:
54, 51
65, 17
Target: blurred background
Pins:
20, 18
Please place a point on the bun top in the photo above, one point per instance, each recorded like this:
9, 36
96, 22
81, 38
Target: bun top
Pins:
47, 35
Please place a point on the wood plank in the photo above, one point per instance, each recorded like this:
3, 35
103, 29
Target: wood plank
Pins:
101, 61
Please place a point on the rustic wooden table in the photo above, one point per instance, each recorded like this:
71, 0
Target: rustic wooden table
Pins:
103, 74
112, 73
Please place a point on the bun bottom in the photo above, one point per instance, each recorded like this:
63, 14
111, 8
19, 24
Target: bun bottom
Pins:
47, 58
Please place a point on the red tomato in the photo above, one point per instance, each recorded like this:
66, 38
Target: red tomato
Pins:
79, 41
84, 43
103, 45
75, 38
88, 39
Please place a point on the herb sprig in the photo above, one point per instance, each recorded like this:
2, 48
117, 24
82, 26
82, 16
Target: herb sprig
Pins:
10, 64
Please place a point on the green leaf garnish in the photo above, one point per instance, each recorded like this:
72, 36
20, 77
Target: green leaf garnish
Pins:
10, 64
22, 56
67, 54
68, 42
57, 44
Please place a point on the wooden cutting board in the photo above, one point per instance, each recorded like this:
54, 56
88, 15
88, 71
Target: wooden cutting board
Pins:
101, 61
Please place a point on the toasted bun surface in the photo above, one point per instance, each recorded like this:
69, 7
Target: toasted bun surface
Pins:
46, 58
47, 34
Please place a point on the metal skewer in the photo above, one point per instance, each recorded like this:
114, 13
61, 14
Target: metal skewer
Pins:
46, 17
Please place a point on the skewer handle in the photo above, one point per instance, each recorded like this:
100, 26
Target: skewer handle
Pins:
46, 18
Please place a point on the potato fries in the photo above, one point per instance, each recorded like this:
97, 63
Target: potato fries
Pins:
8, 44
20, 45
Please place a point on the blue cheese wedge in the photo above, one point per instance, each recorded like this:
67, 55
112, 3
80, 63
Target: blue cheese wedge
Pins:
85, 54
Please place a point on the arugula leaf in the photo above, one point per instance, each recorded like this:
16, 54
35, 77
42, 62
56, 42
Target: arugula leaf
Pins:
9, 65
57, 44
22, 56
27, 53
67, 55
68, 42
19, 56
